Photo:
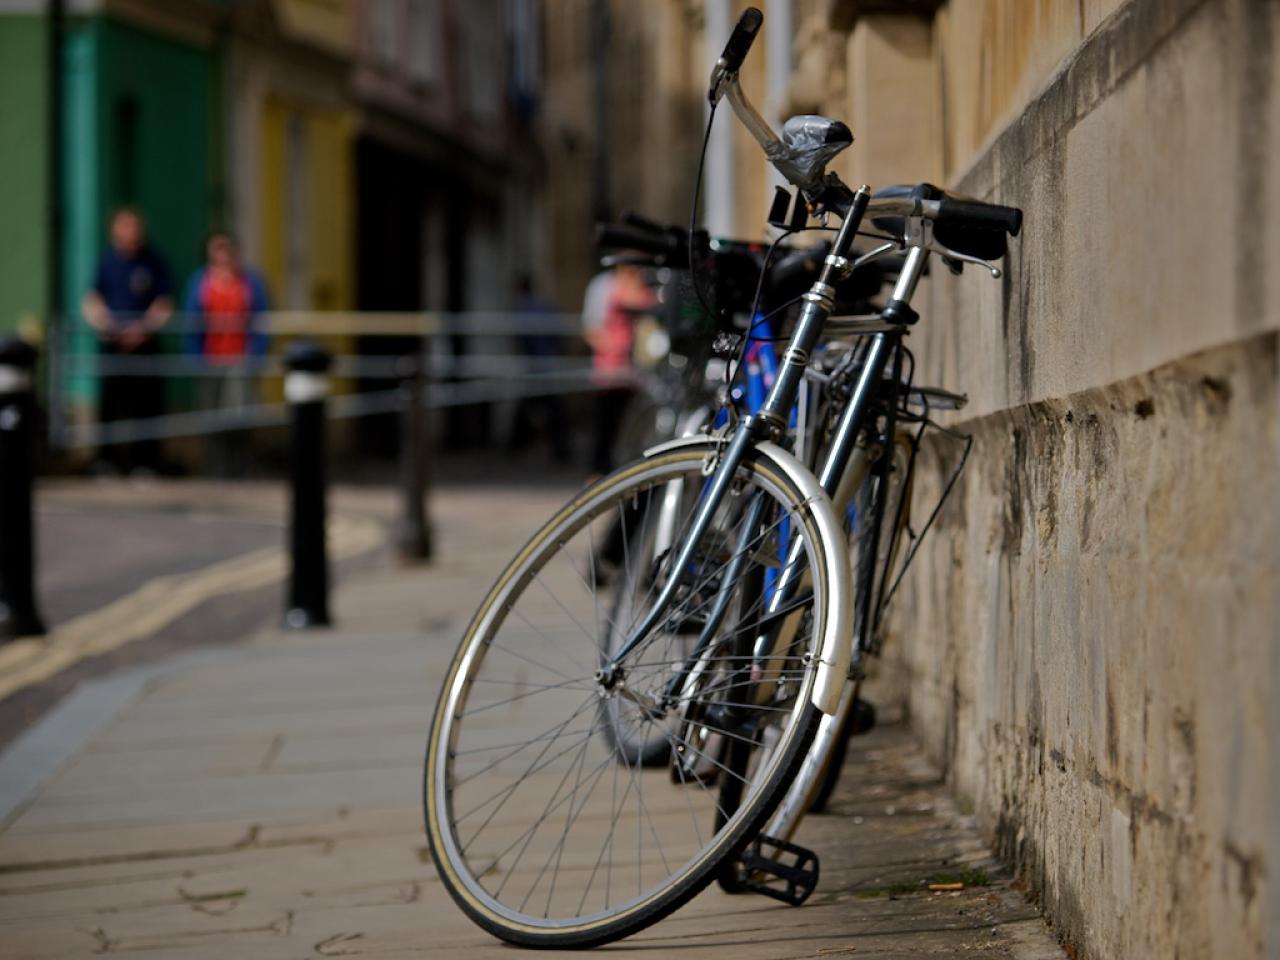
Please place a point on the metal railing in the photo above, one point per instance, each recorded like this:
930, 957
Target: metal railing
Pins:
464, 358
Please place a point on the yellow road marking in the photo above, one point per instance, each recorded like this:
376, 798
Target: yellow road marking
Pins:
161, 601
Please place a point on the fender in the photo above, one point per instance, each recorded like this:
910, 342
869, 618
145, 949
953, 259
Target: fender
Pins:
833, 662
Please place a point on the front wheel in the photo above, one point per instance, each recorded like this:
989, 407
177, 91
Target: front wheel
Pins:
542, 830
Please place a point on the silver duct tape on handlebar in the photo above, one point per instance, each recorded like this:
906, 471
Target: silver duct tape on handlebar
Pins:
801, 158
797, 155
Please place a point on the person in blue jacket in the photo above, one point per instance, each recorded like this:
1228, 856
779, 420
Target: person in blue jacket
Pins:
129, 303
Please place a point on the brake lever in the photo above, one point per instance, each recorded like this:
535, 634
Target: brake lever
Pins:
881, 251
948, 254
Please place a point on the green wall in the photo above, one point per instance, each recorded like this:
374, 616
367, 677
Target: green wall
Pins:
143, 121
23, 170
143, 126
82, 229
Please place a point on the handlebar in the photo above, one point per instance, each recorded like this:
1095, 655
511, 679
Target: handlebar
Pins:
733, 266
744, 35
631, 218
966, 228
670, 244
947, 210
973, 213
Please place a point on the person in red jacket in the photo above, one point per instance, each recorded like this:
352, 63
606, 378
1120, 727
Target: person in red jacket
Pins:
612, 339
223, 304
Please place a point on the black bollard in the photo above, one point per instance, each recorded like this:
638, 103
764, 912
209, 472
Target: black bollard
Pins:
306, 386
413, 536
18, 614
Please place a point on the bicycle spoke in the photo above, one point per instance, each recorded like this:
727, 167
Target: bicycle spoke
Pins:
519, 744
551, 735
493, 645
528, 832
576, 684
550, 808
531, 769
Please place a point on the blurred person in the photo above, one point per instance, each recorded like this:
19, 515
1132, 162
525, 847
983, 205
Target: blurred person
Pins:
223, 302
130, 301
541, 349
611, 334
595, 301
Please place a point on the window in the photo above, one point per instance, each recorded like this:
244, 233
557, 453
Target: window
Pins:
484, 59
424, 42
384, 31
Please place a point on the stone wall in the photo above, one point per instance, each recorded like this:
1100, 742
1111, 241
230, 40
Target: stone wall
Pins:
1087, 646
1088, 642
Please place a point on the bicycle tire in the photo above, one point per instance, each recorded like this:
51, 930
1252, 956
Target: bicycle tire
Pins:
473, 881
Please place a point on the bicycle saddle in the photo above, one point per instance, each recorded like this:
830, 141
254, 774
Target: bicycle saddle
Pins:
808, 143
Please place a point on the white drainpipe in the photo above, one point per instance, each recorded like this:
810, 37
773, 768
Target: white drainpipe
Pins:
718, 176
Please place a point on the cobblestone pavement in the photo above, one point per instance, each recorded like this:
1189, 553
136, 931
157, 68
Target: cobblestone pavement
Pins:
262, 800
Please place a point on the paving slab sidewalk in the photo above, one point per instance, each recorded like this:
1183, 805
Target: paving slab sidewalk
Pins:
263, 801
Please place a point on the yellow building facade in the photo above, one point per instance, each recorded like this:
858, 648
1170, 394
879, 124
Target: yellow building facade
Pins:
292, 153
306, 203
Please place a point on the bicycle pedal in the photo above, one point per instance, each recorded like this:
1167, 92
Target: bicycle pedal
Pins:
778, 869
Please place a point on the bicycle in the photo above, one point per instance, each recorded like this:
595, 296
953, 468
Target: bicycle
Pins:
749, 630
689, 404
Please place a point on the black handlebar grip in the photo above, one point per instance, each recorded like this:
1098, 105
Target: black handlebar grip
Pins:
744, 34
633, 219
974, 213
617, 237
